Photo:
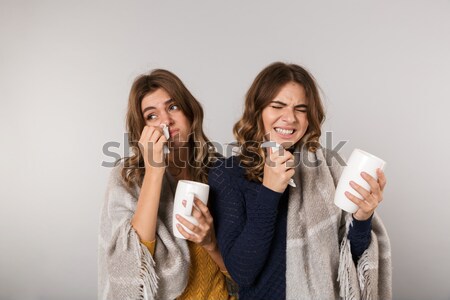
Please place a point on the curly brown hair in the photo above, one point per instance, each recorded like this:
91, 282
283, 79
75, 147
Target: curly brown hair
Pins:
249, 130
200, 148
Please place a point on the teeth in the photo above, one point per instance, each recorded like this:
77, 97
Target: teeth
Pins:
284, 131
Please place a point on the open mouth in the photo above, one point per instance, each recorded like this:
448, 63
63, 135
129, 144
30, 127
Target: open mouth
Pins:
284, 131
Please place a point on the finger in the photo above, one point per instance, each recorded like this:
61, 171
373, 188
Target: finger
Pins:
381, 179
373, 183
156, 134
362, 191
144, 135
290, 173
290, 164
186, 223
284, 156
186, 234
197, 214
144, 130
204, 210
361, 203
273, 153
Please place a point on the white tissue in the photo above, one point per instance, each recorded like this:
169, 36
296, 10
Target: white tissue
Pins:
166, 133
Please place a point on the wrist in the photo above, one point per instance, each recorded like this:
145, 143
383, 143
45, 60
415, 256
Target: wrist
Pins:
211, 247
153, 175
362, 216
276, 189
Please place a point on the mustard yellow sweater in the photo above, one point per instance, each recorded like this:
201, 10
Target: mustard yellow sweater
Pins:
206, 281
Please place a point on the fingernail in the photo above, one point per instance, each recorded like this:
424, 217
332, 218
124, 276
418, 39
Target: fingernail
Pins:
352, 183
177, 216
363, 174
347, 193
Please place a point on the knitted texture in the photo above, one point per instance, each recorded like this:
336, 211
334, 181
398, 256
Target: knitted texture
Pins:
127, 269
251, 224
206, 281
318, 248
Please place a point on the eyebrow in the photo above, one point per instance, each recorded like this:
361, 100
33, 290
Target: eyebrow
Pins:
152, 107
284, 104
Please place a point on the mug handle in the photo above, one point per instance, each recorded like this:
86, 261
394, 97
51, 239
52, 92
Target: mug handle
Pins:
189, 204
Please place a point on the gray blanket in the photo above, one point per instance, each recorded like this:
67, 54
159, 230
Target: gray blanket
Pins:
126, 268
319, 260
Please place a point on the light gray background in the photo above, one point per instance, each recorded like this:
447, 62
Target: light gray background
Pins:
66, 68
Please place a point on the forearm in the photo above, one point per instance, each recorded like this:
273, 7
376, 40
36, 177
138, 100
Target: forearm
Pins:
246, 256
145, 216
217, 257
247, 252
359, 236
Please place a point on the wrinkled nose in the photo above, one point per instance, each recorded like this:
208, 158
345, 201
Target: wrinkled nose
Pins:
288, 115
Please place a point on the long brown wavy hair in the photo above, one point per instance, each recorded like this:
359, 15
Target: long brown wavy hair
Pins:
249, 130
200, 150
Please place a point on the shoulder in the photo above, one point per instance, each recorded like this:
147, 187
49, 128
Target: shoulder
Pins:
331, 155
115, 176
116, 181
230, 165
333, 160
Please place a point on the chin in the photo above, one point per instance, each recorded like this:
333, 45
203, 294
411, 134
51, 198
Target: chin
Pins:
178, 144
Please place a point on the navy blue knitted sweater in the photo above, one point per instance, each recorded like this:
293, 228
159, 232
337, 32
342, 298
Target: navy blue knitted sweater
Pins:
250, 222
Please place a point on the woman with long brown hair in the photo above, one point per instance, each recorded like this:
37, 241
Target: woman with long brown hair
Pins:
139, 258
279, 232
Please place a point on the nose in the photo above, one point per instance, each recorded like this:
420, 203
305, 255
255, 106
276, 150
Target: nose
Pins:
288, 115
166, 118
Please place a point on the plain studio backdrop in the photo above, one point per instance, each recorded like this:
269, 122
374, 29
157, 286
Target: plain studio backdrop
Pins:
66, 68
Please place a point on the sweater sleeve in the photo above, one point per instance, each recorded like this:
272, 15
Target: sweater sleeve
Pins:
244, 226
150, 246
359, 236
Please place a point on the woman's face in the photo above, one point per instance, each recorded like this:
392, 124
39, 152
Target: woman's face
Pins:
159, 108
285, 118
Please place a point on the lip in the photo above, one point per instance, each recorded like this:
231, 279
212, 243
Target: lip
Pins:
285, 136
285, 128
173, 132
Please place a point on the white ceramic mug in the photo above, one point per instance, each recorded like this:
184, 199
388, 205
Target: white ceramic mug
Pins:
359, 161
187, 190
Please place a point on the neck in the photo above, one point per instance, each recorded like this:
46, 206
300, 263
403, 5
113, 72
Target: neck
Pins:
178, 163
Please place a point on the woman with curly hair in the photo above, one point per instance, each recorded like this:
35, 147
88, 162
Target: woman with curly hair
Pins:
139, 257
278, 230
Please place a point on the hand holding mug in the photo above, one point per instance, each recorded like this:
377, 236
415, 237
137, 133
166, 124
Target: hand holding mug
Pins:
202, 233
191, 217
360, 188
371, 199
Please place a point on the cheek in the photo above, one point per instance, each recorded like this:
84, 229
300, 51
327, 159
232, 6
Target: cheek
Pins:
305, 124
186, 127
267, 120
